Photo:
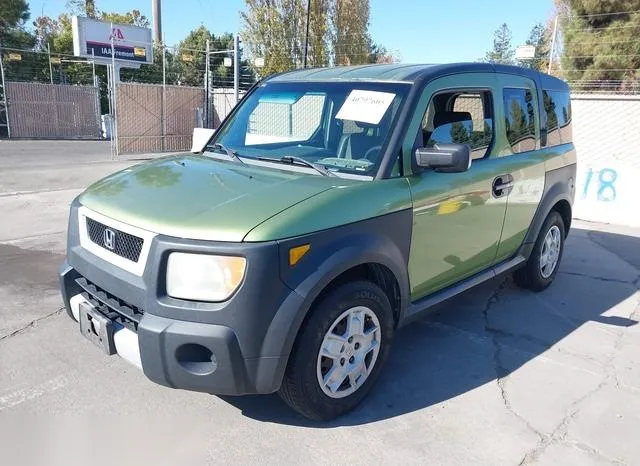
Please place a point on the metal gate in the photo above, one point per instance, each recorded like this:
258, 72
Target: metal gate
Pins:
55, 111
156, 118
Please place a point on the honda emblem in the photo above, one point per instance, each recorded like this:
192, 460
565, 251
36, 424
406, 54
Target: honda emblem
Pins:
109, 239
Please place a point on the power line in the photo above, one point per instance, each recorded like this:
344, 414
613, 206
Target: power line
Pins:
626, 26
615, 13
619, 55
601, 70
606, 42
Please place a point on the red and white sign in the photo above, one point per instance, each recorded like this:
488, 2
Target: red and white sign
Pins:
132, 45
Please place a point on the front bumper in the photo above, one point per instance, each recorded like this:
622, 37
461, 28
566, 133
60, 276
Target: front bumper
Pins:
187, 355
237, 347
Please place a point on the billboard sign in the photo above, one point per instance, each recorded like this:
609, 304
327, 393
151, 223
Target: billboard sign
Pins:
132, 45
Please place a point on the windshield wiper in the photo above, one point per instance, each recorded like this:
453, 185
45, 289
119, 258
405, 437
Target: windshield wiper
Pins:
292, 159
231, 153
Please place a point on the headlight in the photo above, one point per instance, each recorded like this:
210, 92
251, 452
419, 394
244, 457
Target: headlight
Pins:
201, 277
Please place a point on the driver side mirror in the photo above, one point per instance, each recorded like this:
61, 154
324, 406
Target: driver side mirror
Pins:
446, 158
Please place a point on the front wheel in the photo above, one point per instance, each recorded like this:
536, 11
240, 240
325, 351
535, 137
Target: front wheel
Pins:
542, 266
339, 352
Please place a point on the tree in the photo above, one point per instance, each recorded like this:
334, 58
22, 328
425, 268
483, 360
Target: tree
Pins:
350, 25
191, 73
266, 35
502, 52
600, 41
459, 133
130, 17
338, 33
540, 38
13, 16
82, 7
380, 54
319, 34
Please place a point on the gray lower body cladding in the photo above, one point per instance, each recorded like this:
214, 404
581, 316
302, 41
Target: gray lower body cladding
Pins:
240, 346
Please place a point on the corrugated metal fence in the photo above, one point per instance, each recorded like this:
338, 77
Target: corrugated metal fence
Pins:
53, 110
156, 118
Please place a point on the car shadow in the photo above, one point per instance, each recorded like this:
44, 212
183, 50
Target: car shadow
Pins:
486, 333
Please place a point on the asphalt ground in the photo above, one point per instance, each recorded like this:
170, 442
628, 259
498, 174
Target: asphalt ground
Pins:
499, 376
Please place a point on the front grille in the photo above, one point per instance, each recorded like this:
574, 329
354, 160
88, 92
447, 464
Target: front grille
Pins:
115, 309
118, 242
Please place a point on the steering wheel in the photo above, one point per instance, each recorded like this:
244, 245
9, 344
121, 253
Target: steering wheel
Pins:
374, 149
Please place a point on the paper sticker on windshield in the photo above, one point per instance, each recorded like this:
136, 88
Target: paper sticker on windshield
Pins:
365, 106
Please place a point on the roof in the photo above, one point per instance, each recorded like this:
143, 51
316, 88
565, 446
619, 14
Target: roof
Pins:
409, 73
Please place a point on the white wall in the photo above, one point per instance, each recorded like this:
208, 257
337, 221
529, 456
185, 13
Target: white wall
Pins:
606, 132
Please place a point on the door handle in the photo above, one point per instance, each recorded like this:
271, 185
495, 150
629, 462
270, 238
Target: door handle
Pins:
502, 185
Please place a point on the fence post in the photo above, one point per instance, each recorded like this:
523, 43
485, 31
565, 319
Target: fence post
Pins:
50, 65
236, 67
3, 103
93, 68
164, 90
115, 77
206, 85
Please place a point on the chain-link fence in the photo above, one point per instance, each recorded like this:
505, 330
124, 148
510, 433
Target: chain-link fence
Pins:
151, 108
48, 95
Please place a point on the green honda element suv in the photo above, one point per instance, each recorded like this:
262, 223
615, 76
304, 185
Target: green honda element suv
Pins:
330, 208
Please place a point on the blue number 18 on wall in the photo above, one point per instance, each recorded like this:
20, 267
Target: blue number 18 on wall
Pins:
606, 180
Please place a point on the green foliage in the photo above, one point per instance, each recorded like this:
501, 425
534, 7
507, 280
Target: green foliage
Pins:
82, 7
459, 133
540, 38
268, 31
13, 16
338, 33
502, 52
319, 34
602, 47
131, 17
13, 13
550, 109
350, 25
380, 54
191, 73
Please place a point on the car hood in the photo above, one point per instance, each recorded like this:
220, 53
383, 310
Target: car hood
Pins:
198, 197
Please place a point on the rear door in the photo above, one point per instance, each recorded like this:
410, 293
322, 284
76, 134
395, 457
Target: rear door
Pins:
522, 161
457, 217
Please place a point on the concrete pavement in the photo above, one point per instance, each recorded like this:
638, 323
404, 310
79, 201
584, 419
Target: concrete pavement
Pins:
500, 376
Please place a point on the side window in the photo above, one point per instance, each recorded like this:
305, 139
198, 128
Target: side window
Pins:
557, 105
520, 119
463, 117
273, 122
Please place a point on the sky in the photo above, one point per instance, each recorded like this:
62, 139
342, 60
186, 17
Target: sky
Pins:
418, 31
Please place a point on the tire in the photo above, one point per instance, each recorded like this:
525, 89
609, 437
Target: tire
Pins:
533, 276
301, 388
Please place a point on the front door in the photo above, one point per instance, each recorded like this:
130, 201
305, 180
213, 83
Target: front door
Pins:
457, 217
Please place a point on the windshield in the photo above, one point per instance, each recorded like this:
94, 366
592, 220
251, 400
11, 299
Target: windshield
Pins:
343, 127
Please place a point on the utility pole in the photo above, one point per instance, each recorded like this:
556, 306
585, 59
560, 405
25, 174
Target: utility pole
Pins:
306, 40
156, 14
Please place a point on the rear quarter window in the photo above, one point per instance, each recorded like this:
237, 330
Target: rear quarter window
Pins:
557, 106
520, 121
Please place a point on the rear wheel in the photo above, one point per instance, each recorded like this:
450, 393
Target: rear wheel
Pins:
339, 352
542, 266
